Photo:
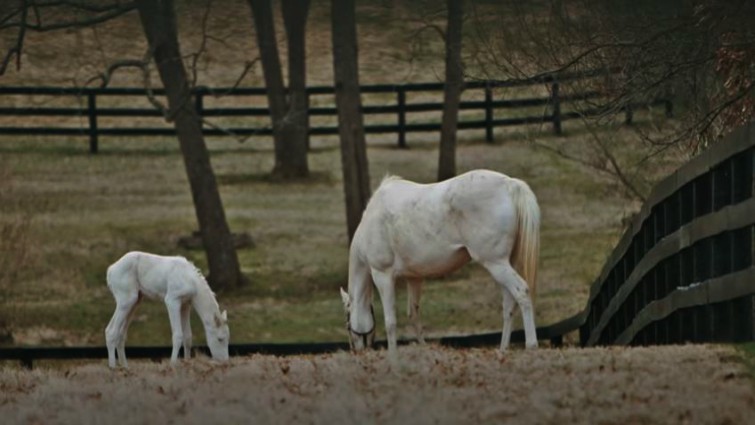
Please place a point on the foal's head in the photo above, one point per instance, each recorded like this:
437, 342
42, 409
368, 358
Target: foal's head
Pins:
357, 340
218, 337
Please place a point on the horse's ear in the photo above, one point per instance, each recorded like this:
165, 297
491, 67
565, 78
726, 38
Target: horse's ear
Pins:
345, 298
224, 316
218, 320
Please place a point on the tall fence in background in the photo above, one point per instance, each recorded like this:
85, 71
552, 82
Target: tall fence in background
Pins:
554, 109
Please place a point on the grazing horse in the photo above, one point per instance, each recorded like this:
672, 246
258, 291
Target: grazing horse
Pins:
174, 280
414, 231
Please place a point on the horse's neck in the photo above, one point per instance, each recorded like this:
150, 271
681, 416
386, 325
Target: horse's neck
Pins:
204, 303
360, 290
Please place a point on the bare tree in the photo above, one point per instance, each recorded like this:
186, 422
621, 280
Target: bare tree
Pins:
356, 177
452, 91
158, 20
698, 53
288, 111
159, 23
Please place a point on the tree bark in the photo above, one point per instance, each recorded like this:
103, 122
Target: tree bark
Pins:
295, 20
452, 92
159, 22
356, 176
290, 121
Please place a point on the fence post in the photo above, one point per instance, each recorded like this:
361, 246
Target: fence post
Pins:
401, 117
556, 102
199, 104
488, 113
92, 112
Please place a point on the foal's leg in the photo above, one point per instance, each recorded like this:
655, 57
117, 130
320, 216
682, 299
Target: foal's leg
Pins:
122, 342
505, 275
173, 304
186, 328
116, 329
386, 286
414, 293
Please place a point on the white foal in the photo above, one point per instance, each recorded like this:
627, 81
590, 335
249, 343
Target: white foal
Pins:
414, 231
174, 280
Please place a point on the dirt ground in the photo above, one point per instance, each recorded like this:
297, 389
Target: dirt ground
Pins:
660, 385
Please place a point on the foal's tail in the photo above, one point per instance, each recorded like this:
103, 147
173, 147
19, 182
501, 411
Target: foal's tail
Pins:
527, 246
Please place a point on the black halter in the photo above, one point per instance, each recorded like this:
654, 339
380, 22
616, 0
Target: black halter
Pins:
363, 335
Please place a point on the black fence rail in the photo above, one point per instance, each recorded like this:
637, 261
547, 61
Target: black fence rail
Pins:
28, 355
685, 270
554, 109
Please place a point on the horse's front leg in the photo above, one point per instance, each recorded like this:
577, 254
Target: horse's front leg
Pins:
385, 284
174, 314
414, 293
186, 328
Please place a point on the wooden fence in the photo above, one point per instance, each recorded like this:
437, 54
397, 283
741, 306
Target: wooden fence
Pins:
684, 270
554, 109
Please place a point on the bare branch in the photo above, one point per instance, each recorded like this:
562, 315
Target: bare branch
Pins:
15, 51
106, 14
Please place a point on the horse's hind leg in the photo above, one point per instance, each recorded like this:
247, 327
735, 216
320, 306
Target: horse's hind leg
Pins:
116, 329
124, 335
505, 275
414, 293
508, 317
186, 328
111, 340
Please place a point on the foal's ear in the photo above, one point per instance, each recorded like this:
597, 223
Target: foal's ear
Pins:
224, 316
345, 298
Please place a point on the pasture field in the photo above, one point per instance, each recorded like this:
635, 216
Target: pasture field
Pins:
75, 213
662, 385
85, 211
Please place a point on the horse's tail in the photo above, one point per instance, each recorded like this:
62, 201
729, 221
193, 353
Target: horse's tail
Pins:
527, 245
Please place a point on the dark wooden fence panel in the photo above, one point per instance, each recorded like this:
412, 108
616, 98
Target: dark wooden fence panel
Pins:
684, 270
551, 112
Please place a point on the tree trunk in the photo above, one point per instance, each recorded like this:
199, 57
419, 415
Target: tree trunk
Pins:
452, 92
289, 135
159, 23
356, 176
295, 20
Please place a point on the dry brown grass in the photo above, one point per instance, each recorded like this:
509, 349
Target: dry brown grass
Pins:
662, 385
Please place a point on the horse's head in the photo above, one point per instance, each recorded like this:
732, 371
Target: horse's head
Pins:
357, 340
219, 336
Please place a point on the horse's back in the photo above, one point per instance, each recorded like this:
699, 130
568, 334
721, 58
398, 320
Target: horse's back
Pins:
432, 229
147, 273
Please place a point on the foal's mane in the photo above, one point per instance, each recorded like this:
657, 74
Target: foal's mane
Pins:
200, 275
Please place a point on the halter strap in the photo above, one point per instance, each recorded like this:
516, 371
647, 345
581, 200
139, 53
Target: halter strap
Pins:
363, 335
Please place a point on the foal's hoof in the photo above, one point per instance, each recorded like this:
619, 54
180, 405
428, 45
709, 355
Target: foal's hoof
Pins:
531, 346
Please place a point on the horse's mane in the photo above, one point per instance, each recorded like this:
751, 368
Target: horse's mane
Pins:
389, 178
200, 275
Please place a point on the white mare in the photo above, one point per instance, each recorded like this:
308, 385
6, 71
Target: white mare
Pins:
174, 280
414, 231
